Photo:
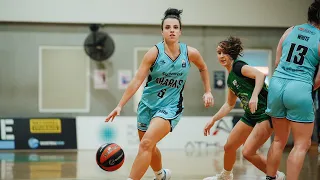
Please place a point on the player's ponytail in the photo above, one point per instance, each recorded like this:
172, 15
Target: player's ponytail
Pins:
314, 12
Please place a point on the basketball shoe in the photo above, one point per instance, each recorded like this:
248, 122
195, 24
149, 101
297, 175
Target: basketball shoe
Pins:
166, 176
222, 176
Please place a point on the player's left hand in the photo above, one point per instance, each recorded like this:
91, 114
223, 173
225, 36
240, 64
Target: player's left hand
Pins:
208, 99
253, 104
206, 129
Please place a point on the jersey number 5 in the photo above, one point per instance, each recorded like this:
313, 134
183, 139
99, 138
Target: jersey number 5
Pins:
161, 93
297, 59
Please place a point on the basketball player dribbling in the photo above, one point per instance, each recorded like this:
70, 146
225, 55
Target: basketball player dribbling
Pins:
160, 108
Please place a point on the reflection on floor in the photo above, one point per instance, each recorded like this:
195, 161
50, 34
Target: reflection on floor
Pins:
185, 165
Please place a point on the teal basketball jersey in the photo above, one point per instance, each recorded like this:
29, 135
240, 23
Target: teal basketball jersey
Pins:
299, 57
164, 87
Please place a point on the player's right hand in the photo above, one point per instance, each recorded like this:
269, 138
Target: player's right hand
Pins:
208, 99
113, 114
206, 130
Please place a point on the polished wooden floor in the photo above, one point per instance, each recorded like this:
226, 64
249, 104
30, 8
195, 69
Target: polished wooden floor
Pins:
80, 165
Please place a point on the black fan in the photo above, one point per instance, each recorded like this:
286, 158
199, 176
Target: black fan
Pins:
98, 45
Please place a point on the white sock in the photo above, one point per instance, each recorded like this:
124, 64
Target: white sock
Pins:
226, 172
129, 179
159, 174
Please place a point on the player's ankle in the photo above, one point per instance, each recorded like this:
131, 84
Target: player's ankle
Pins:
226, 172
270, 178
159, 174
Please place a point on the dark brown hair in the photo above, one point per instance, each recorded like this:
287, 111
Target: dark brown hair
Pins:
172, 13
232, 46
314, 12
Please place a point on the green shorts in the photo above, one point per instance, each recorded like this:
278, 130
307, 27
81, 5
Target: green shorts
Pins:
253, 119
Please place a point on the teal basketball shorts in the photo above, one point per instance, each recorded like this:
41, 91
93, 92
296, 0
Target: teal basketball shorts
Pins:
290, 99
145, 115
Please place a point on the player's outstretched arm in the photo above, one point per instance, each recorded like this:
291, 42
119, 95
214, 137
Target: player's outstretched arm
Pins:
223, 111
148, 60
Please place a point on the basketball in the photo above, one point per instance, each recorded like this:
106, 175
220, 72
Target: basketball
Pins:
110, 157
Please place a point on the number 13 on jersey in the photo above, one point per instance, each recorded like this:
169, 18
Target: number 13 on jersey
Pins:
302, 52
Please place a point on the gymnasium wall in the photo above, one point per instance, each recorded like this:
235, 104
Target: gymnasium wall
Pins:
90, 132
26, 28
249, 13
19, 49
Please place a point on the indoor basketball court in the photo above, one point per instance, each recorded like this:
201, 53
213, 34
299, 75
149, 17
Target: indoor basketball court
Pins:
64, 66
81, 165
189, 157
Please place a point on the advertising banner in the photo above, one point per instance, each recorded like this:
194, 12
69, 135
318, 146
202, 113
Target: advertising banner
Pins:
38, 133
93, 131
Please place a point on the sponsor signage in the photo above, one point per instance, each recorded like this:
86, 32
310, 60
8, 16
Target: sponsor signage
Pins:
38, 133
93, 131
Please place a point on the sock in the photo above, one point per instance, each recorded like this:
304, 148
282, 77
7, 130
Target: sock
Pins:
159, 174
270, 178
129, 179
226, 172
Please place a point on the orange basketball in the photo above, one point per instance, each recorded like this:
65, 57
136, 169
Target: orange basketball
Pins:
110, 157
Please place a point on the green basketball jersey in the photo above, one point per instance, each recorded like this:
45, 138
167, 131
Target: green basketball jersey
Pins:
243, 88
